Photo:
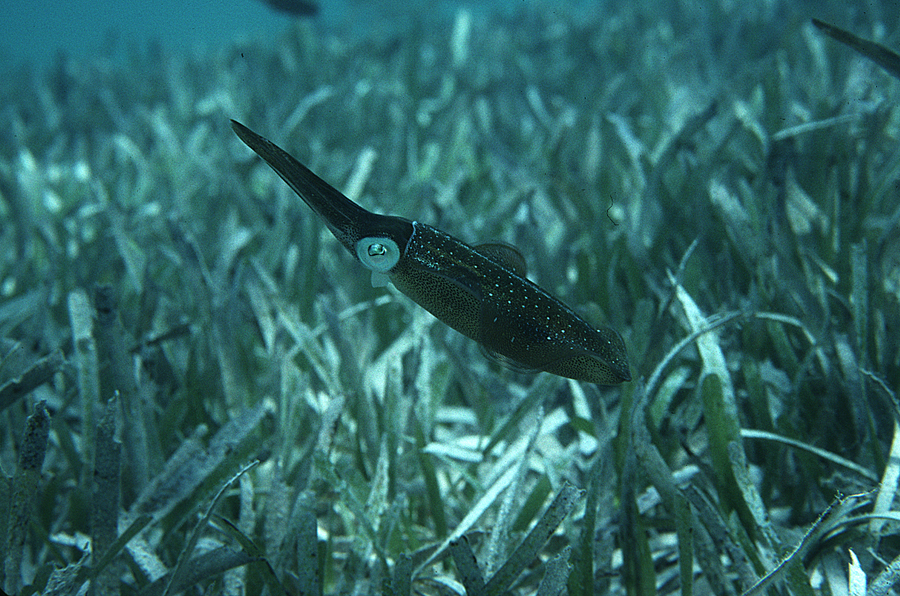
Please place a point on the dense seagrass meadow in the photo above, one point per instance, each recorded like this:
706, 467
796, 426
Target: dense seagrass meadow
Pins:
202, 393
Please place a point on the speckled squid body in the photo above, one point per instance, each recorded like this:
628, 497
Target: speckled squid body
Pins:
479, 291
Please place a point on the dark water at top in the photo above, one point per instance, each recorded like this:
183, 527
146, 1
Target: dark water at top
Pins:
38, 30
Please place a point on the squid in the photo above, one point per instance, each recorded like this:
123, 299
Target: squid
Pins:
480, 291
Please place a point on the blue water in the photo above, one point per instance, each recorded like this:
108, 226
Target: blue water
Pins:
37, 30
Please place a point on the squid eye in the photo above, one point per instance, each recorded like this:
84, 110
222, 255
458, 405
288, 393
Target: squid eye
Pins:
378, 254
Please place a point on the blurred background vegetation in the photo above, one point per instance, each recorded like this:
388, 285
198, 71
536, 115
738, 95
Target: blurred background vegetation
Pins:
201, 392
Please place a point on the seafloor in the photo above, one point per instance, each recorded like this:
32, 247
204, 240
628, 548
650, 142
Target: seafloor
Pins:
200, 388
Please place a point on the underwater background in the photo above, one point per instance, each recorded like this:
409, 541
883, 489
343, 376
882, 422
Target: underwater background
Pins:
202, 393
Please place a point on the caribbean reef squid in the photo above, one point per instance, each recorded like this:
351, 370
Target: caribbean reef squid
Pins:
480, 291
